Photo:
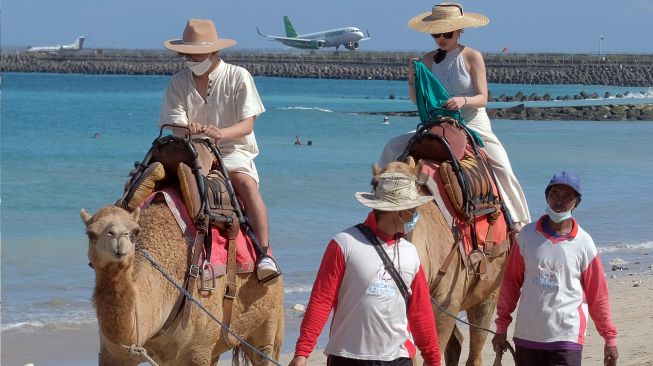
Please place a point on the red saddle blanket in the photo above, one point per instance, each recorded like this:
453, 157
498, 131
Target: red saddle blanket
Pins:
497, 233
245, 254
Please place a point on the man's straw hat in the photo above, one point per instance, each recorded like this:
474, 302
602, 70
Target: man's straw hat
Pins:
200, 36
446, 17
393, 192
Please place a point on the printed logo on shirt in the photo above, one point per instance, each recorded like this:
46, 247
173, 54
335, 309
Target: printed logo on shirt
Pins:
382, 284
548, 276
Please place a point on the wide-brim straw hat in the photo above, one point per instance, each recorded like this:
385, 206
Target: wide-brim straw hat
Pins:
393, 192
446, 17
200, 36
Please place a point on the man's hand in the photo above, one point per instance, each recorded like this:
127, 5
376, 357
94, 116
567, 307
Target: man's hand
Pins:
213, 132
196, 128
298, 361
500, 343
610, 355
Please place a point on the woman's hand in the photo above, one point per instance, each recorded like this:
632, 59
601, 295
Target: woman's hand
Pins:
455, 103
411, 70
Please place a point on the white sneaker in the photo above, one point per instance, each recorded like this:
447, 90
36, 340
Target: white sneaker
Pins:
267, 269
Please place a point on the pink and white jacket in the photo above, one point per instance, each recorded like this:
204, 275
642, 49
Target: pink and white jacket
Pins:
556, 280
370, 321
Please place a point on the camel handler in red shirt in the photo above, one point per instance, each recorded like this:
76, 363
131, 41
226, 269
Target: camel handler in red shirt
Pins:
372, 279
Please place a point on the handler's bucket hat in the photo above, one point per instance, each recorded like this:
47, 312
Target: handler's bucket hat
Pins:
446, 17
566, 177
200, 36
393, 192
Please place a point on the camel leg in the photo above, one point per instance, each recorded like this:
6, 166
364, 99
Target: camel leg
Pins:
266, 339
481, 315
107, 359
255, 358
454, 347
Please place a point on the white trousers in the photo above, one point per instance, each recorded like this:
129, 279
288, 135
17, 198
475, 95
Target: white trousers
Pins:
509, 187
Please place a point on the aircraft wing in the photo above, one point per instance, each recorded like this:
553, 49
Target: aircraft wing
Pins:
366, 38
279, 38
295, 41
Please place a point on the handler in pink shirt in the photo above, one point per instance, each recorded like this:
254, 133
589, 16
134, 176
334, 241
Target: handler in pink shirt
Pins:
556, 275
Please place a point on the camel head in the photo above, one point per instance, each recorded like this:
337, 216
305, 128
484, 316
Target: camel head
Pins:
408, 168
112, 234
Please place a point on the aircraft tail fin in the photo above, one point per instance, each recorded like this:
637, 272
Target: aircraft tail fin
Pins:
290, 30
79, 43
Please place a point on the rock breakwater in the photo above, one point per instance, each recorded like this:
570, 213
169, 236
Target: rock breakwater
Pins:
618, 70
632, 112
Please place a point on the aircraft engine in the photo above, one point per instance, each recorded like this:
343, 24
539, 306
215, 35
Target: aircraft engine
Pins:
351, 45
318, 44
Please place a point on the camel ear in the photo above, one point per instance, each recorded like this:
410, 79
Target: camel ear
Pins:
411, 162
136, 214
376, 169
85, 216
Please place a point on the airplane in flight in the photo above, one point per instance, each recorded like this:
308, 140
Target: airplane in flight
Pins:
77, 45
347, 36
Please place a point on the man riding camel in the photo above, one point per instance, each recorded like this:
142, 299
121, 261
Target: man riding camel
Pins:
217, 100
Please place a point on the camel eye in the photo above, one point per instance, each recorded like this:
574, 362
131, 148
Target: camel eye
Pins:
134, 234
91, 235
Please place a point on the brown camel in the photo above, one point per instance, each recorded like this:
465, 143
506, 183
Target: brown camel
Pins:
457, 291
133, 300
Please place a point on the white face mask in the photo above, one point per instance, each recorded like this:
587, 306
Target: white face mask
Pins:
200, 68
558, 217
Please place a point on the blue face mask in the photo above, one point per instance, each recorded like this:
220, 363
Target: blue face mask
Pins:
410, 225
557, 217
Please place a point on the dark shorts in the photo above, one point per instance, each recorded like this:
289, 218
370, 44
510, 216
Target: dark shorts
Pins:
342, 361
537, 357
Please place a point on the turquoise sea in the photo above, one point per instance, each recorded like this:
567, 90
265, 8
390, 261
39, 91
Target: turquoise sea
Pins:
51, 166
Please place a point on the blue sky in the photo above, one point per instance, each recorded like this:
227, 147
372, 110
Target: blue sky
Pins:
566, 26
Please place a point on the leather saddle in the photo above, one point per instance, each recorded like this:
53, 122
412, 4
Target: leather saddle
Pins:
464, 168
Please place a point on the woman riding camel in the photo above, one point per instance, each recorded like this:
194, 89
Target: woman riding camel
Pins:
461, 70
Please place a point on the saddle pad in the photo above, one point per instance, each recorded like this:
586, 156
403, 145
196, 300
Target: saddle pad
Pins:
475, 176
245, 254
430, 170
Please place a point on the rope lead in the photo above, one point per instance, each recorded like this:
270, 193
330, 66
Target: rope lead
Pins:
137, 351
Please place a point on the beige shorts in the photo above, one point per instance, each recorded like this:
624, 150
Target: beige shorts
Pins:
239, 162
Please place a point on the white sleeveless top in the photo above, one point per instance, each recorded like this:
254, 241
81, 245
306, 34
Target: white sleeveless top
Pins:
453, 75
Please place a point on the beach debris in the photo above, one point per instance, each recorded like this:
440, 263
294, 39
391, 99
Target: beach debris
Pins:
617, 262
613, 276
619, 268
298, 309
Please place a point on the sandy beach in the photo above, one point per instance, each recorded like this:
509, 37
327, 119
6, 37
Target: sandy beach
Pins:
630, 298
629, 295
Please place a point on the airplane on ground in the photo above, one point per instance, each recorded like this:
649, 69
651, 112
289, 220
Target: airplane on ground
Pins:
77, 45
347, 36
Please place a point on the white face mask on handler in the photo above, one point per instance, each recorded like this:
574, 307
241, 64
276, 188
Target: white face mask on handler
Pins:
199, 68
557, 217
